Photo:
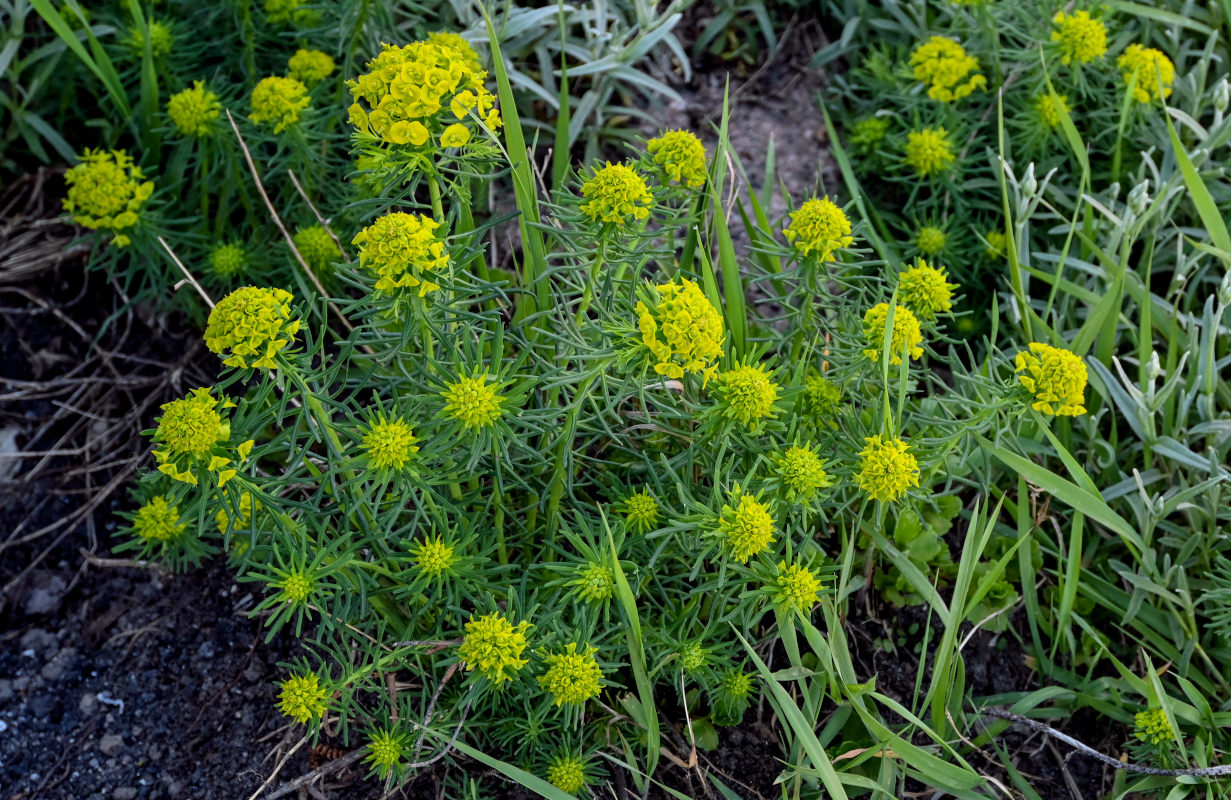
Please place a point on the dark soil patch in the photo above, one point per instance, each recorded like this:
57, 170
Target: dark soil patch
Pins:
772, 101
139, 685
886, 644
114, 682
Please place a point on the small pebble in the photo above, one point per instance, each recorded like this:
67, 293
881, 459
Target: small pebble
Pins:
45, 593
54, 669
111, 744
123, 793
42, 706
38, 641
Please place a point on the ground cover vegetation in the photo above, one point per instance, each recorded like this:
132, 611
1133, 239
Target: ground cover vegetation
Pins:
545, 474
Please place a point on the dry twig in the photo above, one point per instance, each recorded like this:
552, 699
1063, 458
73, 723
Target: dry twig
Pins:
273, 213
1085, 749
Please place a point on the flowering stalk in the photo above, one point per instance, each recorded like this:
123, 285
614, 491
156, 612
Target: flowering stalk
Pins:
591, 273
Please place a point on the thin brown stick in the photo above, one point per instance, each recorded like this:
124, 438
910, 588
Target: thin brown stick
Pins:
457, 731
120, 562
285, 758
324, 769
978, 750
1069, 780
1085, 749
68, 523
187, 275
319, 218
428, 643
431, 707
273, 212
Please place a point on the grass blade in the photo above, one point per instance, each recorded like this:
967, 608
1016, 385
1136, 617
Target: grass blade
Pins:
1211, 217
636, 655
560, 154
532, 782
794, 719
534, 261
732, 281
1069, 493
102, 69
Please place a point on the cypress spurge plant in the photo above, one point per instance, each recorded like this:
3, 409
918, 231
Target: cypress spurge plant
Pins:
488, 508
556, 496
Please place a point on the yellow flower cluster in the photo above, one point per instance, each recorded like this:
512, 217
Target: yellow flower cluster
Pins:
821, 396
949, 73
317, 247
867, 133
493, 645
162, 40
925, 290
617, 194
1056, 377
819, 228
106, 190
1152, 70
1079, 37
402, 250
310, 67
194, 110
191, 432
158, 520
228, 259
735, 684
929, 151
572, 677
389, 443
693, 656
594, 583
795, 588
278, 101
473, 402
747, 526
746, 394
567, 773
906, 337
930, 240
423, 91
681, 156
289, 11
247, 506
250, 326
997, 244
1152, 726
641, 511
802, 473
887, 469
462, 51
683, 330
434, 556
295, 587
1049, 106
302, 697
385, 749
